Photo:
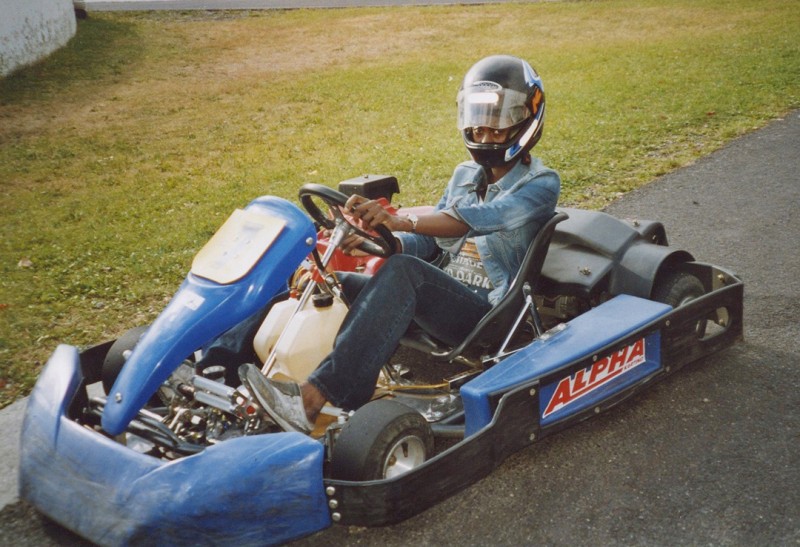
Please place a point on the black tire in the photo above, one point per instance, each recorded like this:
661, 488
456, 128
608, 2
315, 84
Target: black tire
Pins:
383, 439
676, 288
117, 355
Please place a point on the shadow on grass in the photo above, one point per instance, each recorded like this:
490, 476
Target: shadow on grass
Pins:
100, 53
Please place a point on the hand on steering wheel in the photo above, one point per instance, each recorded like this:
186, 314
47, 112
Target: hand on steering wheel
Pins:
379, 242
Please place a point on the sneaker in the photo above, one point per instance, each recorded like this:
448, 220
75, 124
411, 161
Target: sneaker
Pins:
281, 400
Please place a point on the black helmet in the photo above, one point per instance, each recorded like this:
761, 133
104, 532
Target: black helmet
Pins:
501, 92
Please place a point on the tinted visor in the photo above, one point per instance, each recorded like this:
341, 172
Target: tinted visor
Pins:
486, 104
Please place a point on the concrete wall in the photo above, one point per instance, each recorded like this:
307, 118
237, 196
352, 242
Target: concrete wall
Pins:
32, 29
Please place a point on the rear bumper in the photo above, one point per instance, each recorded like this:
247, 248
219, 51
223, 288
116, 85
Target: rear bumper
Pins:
253, 490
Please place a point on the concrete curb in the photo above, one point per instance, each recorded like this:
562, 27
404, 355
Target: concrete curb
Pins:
10, 428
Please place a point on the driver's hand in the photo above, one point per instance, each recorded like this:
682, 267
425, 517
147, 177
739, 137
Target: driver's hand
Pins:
370, 213
349, 245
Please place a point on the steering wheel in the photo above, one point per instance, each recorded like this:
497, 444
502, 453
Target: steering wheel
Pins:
381, 243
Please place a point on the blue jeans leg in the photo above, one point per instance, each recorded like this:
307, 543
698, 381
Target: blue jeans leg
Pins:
405, 289
352, 283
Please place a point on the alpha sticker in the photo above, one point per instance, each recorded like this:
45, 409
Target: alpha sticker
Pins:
599, 373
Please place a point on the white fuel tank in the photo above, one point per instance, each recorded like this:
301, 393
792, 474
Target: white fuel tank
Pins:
308, 335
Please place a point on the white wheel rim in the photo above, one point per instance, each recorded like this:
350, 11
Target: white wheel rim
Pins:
405, 455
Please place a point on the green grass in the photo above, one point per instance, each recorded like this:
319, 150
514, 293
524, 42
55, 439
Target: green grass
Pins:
124, 151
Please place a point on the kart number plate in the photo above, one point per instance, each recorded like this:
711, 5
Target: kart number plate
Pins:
237, 246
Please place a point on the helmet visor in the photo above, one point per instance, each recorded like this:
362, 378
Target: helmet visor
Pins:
489, 105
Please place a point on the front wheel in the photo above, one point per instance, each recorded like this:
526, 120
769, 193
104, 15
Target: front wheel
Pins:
118, 354
382, 440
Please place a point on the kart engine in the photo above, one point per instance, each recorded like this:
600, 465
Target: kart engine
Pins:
203, 410
559, 308
190, 412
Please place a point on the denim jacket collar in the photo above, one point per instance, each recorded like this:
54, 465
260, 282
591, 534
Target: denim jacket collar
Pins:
506, 181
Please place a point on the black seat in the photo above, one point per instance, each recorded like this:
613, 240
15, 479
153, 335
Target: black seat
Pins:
493, 333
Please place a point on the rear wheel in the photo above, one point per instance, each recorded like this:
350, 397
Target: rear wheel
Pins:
382, 440
678, 288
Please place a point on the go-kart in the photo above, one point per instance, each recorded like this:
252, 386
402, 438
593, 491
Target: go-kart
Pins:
130, 441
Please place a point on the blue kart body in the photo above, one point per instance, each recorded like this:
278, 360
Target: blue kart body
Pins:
271, 488
247, 491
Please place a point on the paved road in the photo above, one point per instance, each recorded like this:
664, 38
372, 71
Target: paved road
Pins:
709, 456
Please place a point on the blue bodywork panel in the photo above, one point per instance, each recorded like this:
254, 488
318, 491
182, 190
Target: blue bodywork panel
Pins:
583, 335
203, 309
257, 490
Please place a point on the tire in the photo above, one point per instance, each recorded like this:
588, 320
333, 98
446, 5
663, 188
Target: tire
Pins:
382, 440
117, 355
677, 288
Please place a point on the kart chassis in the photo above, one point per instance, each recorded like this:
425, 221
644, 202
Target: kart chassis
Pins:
507, 407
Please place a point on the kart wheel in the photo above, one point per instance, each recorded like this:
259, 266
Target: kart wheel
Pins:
118, 354
677, 288
382, 440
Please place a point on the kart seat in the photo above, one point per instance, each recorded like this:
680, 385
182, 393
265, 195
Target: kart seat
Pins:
493, 333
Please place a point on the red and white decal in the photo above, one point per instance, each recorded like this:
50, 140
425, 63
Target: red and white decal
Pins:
601, 372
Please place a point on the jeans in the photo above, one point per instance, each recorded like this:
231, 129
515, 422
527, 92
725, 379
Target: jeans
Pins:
406, 289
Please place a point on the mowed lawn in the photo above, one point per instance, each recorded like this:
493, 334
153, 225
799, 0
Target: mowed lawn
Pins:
122, 153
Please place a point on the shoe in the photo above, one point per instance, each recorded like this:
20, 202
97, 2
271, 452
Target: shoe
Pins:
281, 400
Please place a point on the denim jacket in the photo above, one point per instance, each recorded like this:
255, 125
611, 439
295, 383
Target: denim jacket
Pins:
502, 224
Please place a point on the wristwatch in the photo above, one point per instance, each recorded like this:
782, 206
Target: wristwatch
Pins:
414, 219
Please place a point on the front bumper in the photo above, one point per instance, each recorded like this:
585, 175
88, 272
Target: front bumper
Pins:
256, 490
